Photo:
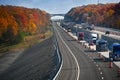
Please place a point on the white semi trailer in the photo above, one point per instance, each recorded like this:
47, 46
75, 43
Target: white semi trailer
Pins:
92, 38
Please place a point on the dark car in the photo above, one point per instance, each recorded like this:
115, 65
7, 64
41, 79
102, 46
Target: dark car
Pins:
90, 28
107, 32
69, 30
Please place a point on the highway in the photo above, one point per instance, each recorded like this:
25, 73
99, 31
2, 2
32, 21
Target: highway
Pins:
103, 29
35, 63
70, 69
80, 63
110, 40
39, 61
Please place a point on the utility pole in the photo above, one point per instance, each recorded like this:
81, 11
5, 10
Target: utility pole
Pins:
98, 1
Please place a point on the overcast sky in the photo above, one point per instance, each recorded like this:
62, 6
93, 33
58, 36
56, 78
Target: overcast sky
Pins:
54, 6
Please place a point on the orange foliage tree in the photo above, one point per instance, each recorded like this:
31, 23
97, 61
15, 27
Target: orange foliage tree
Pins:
107, 15
8, 26
14, 20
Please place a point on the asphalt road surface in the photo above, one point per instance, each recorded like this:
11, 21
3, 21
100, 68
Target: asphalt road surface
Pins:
36, 63
87, 32
80, 63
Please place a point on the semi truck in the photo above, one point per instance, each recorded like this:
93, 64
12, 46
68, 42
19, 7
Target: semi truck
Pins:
92, 38
115, 51
101, 45
81, 36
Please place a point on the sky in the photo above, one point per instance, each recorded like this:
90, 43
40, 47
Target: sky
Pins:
54, 6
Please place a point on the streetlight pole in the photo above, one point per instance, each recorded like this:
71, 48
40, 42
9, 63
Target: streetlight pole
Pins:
76, 29
98, 1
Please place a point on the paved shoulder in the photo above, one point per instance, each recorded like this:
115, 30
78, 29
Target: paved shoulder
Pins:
35, 63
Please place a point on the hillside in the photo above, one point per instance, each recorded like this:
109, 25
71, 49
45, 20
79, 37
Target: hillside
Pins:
107, 15
17, 22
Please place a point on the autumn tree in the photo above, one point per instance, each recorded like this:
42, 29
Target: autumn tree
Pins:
15, 22
107, 15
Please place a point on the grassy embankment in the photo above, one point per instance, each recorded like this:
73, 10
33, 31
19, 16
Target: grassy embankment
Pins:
28, 41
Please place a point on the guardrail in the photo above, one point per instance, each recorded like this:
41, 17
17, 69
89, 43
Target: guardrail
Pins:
58, 61
59, 67
111, 32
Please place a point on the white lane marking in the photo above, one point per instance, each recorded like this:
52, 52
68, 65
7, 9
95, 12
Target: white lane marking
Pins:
59, 62
102, 77
58, 55
99, 69
58, 71
71, 54
90, 57
92, 60
97, 65
54, 46
101, 73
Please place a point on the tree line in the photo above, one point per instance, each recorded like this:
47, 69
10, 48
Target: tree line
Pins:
106, 15
17, 22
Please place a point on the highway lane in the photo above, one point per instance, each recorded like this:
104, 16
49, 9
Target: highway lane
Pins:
86, 32
35, 63
91, 66
103, 29
69, 69
88, 70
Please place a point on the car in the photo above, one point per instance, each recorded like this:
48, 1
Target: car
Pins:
107, 32
69, 30
90, 28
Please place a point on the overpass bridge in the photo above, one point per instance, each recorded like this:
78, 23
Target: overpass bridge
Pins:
57, 15
53, 16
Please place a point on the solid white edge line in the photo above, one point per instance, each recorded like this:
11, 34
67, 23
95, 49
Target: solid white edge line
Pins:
71, 54
102, 77
58, 55
101, 73
58, 71
60, 65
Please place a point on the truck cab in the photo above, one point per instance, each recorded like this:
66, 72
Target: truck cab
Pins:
115, 51
101, 45
92, 38
81, 36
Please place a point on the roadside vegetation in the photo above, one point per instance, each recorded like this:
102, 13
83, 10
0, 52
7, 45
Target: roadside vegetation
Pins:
28, 42
106, 15
31, 41
22, 27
